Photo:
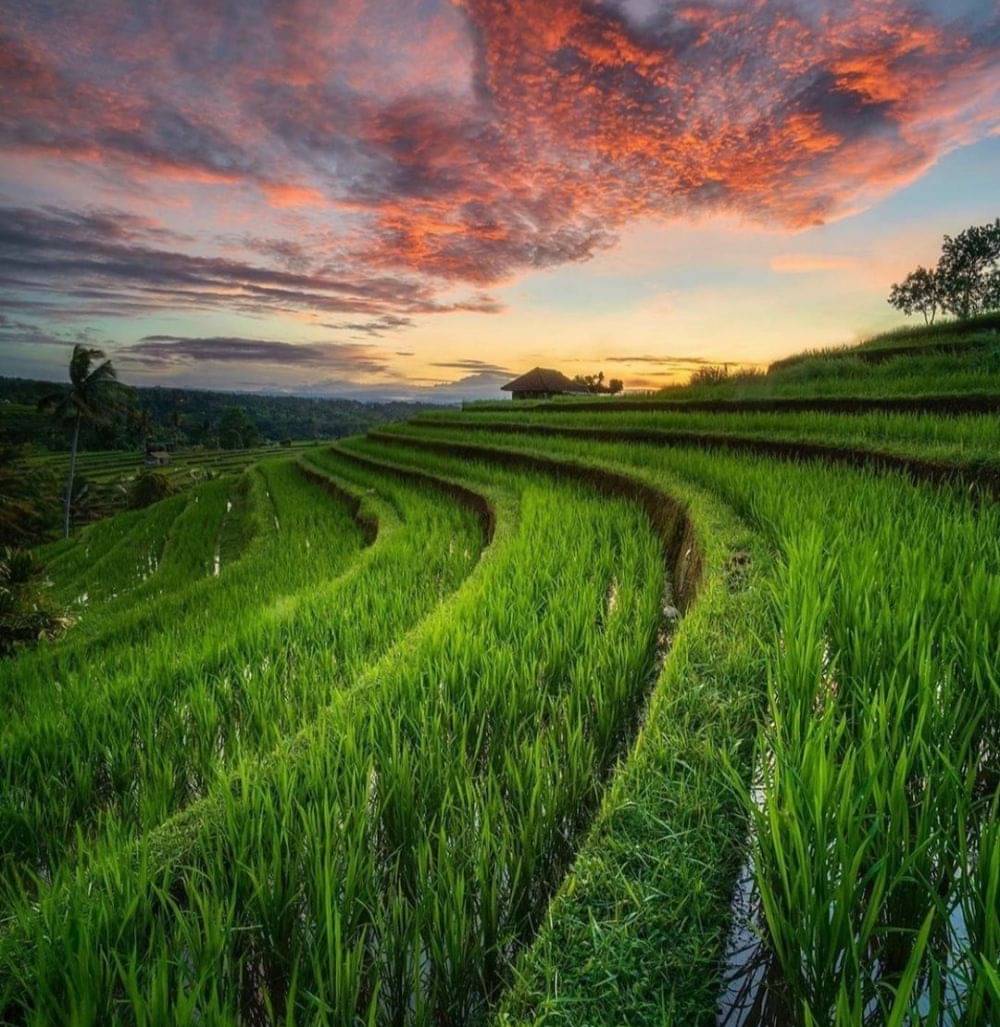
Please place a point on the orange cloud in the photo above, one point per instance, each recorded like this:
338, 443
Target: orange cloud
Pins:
290, 195
467, 142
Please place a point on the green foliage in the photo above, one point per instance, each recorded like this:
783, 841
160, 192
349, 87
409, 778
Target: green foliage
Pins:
28, 501
409, 767
921, 290
189, 417
237, 429
148, 488
969, 270
965, 283
970, 442
947, 358
875, 767
28, 613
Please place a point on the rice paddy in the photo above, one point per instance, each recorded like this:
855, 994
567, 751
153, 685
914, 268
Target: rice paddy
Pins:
462, 724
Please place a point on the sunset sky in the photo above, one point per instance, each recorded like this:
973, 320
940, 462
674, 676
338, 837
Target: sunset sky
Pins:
403, 198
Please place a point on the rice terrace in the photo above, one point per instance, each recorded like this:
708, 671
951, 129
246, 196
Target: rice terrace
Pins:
477, 546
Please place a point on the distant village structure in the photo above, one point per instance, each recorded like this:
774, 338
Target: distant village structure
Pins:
542, 383
156, 456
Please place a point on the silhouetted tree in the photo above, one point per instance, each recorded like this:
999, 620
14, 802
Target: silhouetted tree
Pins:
615, 386
967, 268
919, 290
90, 397
592, 382
965, 282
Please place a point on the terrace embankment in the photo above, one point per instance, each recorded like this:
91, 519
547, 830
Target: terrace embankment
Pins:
668, 517
984, 403
978, 480
474, 501
881, 354
366, 521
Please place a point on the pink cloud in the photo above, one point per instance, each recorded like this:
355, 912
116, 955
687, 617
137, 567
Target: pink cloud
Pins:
469, 142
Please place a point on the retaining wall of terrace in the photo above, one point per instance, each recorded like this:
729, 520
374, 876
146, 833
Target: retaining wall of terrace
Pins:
982, 480
668, 517
956, 404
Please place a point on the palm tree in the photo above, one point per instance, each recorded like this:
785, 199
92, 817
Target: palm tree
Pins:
87, 399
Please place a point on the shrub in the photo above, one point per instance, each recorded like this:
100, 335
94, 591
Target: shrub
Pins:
712, 374
148, 488
27, 611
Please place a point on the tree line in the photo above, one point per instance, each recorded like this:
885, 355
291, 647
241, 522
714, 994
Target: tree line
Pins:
180, 418
965, 282
595, 383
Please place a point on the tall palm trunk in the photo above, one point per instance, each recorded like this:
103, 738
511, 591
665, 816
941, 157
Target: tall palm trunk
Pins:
72, 472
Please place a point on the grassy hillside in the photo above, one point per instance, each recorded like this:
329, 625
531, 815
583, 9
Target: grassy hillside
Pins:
529, 715
950, 362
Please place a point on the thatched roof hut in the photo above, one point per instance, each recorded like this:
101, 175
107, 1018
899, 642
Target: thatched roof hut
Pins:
542, 383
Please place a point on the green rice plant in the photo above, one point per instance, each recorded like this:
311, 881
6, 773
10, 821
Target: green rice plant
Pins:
386, 864
969, 441
111, 476
113, 750
877, 754
380, 838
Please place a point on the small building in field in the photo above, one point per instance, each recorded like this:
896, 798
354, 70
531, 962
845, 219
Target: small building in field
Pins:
156, 457
542, 383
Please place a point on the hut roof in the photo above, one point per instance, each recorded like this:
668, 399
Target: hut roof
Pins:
543, 379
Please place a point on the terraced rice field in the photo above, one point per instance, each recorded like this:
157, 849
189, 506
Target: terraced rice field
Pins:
523, 716
185, 465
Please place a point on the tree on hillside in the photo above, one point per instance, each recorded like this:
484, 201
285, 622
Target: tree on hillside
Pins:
918, 291
967, 266
90, 397
966, 281
148, 488
237, 430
